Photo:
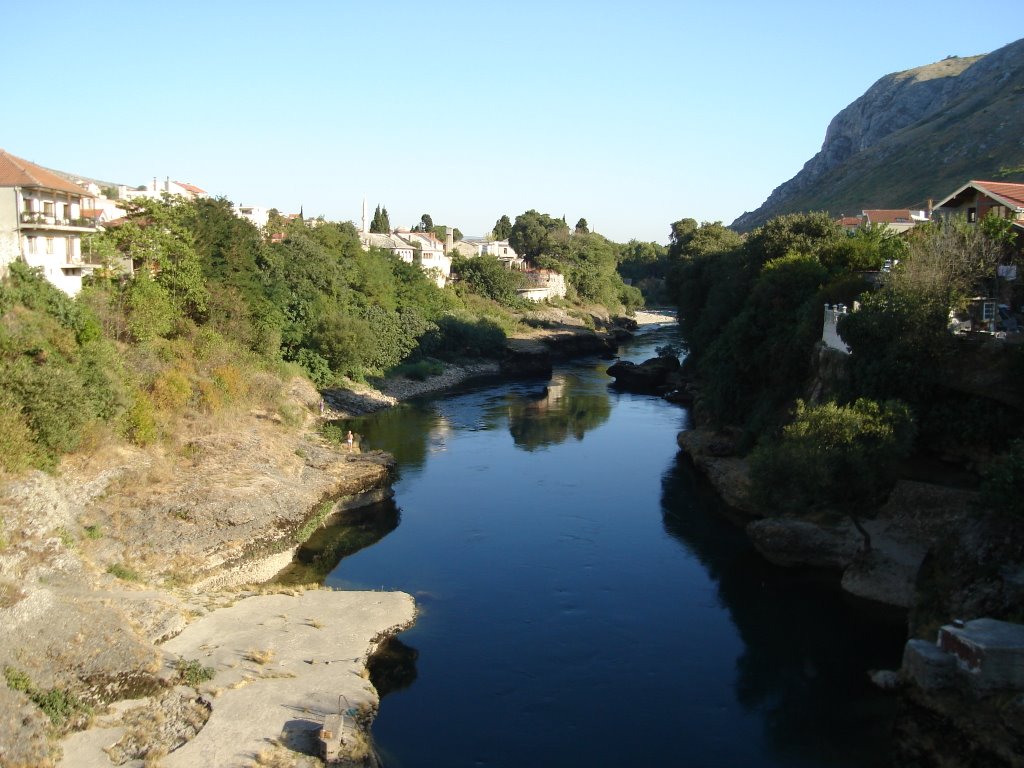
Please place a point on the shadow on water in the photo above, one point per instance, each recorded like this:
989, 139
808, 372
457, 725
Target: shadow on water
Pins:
807, 650
392, 667
353, 531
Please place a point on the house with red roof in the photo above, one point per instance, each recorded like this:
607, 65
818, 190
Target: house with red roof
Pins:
42, 220
896, 219
978, 199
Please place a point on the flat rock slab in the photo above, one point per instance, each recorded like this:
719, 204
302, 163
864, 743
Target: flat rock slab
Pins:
280, 663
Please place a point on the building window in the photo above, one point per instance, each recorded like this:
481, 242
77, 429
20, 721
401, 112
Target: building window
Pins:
49, 245
32, 247
48, 209
972, 215
26, 205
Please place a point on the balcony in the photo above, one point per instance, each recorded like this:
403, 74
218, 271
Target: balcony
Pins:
42, 221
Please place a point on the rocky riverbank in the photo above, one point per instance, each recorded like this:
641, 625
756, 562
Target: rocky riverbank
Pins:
931, 551
123, 597
123, 549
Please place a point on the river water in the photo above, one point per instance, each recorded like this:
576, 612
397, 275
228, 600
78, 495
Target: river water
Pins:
585, 602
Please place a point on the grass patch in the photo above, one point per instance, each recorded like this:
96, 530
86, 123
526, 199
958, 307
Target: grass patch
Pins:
93, 532
59, 705
123, 572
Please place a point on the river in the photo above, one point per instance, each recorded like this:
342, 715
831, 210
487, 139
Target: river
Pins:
584, 601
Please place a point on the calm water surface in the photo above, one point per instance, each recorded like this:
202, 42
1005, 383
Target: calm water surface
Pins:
583, 602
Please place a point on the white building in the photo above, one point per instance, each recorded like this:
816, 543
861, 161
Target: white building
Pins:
420, 248
157, 189
255, 214
42, 222
429, 253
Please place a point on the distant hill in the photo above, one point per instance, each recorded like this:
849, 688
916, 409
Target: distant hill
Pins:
914, 136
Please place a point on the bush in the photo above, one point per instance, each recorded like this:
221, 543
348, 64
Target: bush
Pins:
418, 371
18, 450
488, 277
457, 338
839, 457
1003, 486
123, 572
171, 391
139, 421
192, 672
53, 403
150, 309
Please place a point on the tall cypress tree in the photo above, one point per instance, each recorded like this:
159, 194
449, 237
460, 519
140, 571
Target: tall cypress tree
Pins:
380, 223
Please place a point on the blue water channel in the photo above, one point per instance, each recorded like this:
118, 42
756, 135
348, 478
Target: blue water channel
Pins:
584, 601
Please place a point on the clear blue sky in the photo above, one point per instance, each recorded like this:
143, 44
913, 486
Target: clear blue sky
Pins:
630, 114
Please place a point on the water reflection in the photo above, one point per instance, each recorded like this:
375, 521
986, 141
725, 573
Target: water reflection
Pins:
404, 431
797, 667
392, 666
354, 530
568, 407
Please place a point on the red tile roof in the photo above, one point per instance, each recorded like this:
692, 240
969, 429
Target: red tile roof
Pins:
15, 172
191, 188
889, 216
1011, 193
850, 221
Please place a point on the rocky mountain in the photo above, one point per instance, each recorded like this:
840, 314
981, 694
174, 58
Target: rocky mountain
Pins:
914, 136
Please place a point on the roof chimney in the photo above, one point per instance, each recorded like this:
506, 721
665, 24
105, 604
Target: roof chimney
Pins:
449, 240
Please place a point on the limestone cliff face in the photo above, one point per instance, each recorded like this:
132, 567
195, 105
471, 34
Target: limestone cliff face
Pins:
913, 135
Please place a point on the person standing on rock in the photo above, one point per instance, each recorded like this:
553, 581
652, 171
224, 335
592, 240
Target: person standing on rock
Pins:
323, 407
350, 439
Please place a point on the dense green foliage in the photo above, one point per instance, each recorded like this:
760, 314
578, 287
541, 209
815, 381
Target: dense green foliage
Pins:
487, 276
751, 313
833, 457
588, 260
502, 228
215, 310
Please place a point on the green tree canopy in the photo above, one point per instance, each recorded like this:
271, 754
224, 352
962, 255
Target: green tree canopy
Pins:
380, 223
538, 234
502, 228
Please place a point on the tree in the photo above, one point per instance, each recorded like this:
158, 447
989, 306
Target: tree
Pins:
441, 232
487, 276
426, 224
158, 234
380, 223
502, 228
582, 228
535, 234
951, 260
